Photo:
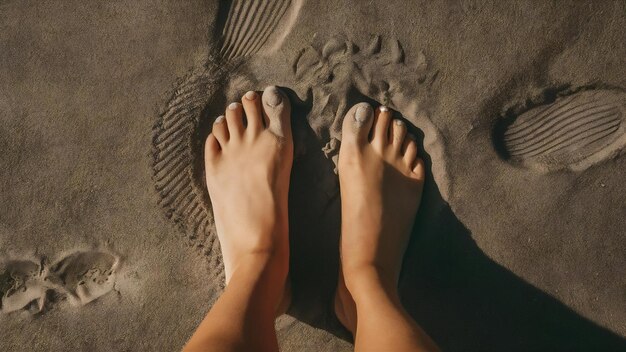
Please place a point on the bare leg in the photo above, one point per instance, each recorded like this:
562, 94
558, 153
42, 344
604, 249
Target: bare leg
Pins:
247, 172
381, 180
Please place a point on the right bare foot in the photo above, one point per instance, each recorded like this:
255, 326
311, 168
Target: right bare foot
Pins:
381, 180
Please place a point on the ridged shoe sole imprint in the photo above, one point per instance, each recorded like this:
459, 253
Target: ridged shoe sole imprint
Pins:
248, 26
574, 132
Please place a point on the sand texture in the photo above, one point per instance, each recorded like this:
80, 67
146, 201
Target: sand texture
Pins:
107, 239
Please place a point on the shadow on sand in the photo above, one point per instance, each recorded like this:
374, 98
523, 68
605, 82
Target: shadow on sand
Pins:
461, 297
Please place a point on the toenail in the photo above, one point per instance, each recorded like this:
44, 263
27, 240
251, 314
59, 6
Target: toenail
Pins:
219, 119
251, 95
233, 106
362, 113
273, 97
399, 122
384, 108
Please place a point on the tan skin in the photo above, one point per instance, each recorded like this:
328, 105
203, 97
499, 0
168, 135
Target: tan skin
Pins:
381, 179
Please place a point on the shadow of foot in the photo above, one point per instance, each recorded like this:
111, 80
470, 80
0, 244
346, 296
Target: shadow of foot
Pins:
314, 213
466, 301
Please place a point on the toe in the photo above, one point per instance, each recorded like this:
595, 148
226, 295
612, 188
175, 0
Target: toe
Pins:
380, 135
419, 170
357, 124
398, 133
211, 147
234, 120
277, 111
254, 114
410, 153
220, 130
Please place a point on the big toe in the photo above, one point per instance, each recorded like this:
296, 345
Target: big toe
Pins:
357, 124
277, 111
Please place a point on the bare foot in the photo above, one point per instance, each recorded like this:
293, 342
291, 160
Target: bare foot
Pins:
381, 180
248, 163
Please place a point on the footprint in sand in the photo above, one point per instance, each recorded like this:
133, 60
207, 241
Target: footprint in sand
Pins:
250, 24
81, 277
86, 275
23, 284
574, 131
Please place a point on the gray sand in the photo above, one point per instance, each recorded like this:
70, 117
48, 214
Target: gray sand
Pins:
106, 236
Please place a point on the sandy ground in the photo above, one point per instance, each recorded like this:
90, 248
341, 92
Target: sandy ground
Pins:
106, 244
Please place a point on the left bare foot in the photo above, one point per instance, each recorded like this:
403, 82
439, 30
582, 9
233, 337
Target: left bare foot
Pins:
248, 165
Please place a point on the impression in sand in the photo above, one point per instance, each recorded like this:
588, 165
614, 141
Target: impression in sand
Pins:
575, 130
79, 277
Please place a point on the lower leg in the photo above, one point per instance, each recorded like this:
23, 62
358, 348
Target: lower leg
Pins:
242, 319
382, 322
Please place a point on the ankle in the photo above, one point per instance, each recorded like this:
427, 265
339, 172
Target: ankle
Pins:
263, 252
367, 279
263, 265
